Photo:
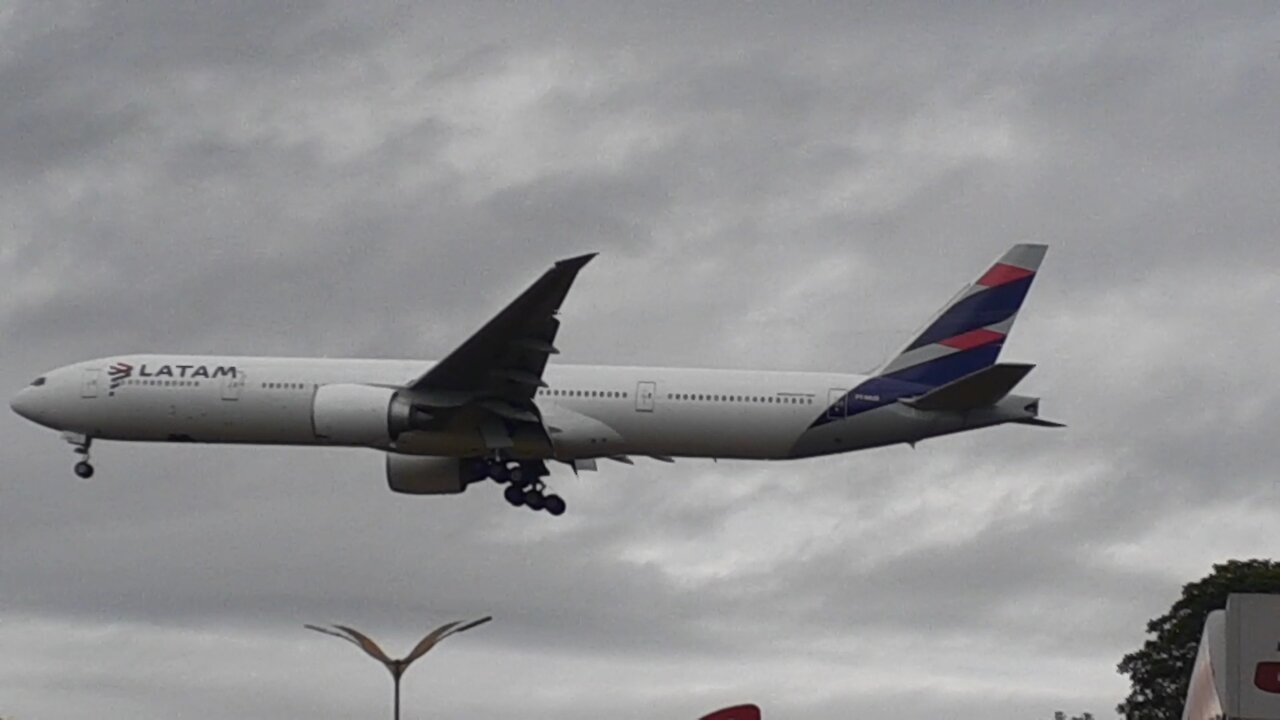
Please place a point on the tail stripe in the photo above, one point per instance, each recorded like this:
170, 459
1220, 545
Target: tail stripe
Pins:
1000, 274
986, 307
973, 339
953, 365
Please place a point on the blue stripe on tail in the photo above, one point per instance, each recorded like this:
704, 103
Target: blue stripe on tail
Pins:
981, 309
951, 367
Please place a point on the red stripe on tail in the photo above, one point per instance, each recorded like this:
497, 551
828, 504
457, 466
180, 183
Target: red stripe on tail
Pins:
972, 339
1000, 274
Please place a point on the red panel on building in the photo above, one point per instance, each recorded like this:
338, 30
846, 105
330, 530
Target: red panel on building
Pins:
737, 712
1267, 677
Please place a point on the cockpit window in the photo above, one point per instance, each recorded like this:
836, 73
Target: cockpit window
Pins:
38, 381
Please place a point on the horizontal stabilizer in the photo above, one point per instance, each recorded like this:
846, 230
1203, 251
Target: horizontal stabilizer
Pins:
1039, 422
977, 389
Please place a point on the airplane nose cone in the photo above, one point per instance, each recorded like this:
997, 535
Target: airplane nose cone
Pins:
24, 404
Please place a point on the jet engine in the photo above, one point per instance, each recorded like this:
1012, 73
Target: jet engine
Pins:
425, 475
350, 414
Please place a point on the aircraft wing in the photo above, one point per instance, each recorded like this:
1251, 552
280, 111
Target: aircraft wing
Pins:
499, 368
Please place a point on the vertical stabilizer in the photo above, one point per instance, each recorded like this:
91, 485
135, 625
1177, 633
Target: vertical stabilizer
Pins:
967, 334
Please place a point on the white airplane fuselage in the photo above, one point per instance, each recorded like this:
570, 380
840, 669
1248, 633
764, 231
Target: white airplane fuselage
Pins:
591, 411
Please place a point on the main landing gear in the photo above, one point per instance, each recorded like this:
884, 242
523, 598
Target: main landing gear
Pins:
524, 484
83, 468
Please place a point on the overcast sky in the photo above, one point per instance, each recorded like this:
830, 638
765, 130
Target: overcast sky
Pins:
790, 186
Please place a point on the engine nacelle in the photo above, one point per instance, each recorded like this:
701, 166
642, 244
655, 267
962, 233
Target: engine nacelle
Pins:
419, 475
350, 414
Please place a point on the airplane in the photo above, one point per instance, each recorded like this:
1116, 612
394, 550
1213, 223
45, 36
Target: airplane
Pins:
495, 408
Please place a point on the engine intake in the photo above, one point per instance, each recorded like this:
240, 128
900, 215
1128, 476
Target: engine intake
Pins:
351, 414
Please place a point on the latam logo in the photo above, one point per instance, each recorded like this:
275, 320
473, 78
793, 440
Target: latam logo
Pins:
1267, 677
122, 371
118, 373
738, 712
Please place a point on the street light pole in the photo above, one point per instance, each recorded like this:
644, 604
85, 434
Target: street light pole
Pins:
397, 668
396, 680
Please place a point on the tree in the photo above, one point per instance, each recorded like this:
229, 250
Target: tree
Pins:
1160, 670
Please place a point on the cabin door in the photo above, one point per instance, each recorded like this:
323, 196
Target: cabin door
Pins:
89, 382
231, 386
645, 392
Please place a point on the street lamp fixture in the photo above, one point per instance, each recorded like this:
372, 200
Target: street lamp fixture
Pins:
398, 667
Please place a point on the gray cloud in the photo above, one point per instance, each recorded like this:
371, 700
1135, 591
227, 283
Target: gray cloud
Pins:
780, 188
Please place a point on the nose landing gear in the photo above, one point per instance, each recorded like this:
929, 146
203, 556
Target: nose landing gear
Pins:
83, 468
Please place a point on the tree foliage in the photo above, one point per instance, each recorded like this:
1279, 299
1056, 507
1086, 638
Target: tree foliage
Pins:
1160, 670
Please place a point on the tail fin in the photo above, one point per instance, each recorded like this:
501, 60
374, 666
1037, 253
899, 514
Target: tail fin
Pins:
967, 334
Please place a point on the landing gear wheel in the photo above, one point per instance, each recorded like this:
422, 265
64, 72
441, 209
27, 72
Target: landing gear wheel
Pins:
554, 504
84, 470
476, 470
499, 472
534, 499
514, 495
